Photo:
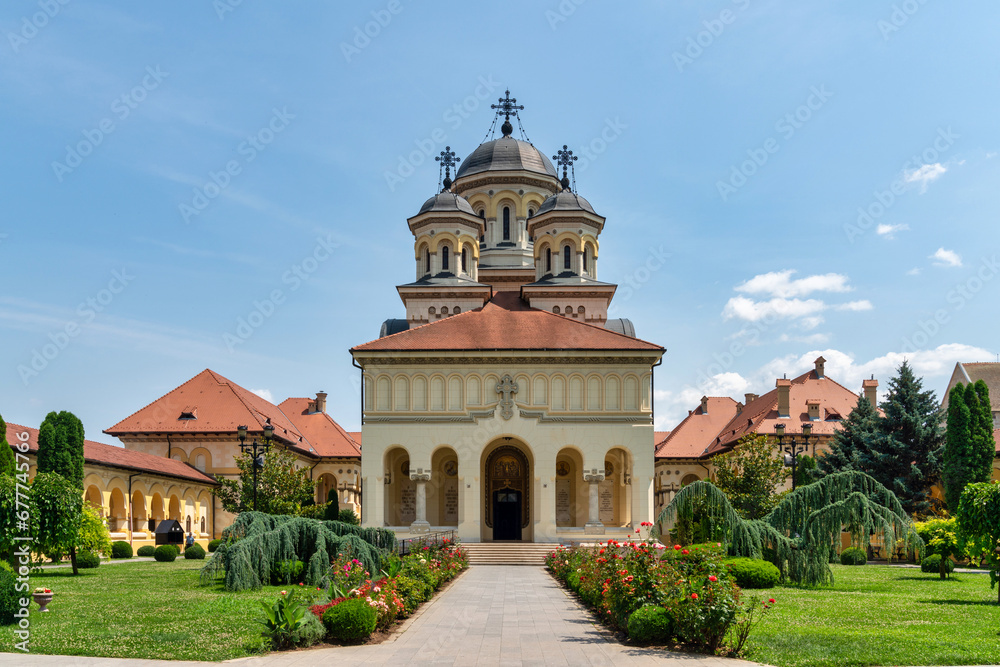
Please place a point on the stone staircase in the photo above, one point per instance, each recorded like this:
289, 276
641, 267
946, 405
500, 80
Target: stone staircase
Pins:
508, 553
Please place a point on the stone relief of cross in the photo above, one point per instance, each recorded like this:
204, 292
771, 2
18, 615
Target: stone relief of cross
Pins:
508, 388
447, 160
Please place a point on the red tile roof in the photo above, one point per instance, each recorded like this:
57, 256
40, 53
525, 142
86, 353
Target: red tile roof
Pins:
356, 437
836, 402
221, 405
697, 432
97, 453
507, 323
325, 435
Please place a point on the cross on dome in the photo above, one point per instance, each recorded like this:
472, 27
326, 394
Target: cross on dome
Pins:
565, 159
448, 160
507, 105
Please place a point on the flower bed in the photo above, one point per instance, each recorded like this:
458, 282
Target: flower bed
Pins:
390, 595
695, 601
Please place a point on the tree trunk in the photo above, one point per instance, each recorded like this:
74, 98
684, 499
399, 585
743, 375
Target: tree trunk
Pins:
944, 567
72, 559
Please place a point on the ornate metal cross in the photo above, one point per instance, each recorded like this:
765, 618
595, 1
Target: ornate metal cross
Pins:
508, 388
447, 160
565, 159
508, 105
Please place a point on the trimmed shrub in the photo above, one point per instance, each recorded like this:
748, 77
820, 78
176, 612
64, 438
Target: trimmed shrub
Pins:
932, 565
853, 556
752, 573
350, 621
650, 625
213, 545
87, 560
194, 552
287, 572
311, 632
121, 549
8, 596
165, 553
412, 592
146, 551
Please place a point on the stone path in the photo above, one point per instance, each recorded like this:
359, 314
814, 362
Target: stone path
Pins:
491, 615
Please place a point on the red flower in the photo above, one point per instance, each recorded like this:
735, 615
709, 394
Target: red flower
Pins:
713, 578
685, 552
694, 596
771, 600
677, 547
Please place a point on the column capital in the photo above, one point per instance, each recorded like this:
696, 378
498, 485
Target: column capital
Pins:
593, 476
420, 476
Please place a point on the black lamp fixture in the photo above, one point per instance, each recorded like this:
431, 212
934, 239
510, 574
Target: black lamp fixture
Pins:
257, 450
794, 446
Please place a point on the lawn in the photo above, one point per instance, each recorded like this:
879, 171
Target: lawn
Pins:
879, 615
144, 610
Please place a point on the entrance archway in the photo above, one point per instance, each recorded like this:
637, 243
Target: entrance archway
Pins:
507, 481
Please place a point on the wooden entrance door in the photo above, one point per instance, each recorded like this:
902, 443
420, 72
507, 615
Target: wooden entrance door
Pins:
506, 515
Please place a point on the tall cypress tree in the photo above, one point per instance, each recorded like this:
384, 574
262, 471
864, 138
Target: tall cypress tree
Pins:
984, 446
60, 446
910, 460
855, 444
959, 462
8, 465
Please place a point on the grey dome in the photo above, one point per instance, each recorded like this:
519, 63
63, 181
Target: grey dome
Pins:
506, 154
447, 201
567, 200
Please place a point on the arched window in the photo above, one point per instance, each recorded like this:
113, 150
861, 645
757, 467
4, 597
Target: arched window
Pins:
482, 213
432, 311
548, 260
444, 310
506, 223
465, 260
456, 310
203, 531
444, 258
531, 212
427, 261
555, 309
566, 258
585, 263
188, 524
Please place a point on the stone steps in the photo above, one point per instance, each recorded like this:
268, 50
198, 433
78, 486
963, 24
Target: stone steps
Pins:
508, 553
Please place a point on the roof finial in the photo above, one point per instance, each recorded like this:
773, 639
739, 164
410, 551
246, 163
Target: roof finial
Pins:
507, 105
565, 159
447, 160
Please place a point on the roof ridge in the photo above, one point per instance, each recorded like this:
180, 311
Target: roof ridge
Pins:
254, 411
159, 398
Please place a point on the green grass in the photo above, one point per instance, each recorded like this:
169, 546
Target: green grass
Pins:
144, 610
878, 615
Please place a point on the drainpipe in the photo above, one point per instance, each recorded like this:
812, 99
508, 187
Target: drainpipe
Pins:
131, 509
354, 362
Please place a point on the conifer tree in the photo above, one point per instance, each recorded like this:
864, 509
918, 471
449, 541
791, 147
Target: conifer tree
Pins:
959, 462
8, 465
855, 444
60, 446
981, 427
910, 458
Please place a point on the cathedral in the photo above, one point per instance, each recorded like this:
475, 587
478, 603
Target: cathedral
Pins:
505, 404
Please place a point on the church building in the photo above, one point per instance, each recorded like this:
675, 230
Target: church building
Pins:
505, 404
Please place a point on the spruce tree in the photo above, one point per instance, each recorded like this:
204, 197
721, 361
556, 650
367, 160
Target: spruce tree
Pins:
855, 443
910, 459
8, 465
959, 462
984, 446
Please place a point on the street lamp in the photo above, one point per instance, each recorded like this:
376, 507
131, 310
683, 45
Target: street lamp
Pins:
257, 450
793, 447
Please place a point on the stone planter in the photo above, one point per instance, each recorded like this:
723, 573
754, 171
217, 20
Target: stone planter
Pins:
43, 599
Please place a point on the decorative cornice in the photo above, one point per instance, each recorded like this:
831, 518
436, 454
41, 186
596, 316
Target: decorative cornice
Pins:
467, 358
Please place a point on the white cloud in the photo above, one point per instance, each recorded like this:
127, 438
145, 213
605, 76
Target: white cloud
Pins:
925, 174
743, 308
948, 258
264, 393
780, 284
913, 272
889, 231
673, 406
856, 306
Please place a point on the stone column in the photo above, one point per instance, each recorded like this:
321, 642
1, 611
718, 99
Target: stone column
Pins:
420, 525
579, 264
594, 525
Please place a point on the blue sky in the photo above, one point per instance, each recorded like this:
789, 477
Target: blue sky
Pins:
780, 180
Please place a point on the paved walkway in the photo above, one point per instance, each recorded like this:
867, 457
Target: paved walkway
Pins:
491, 615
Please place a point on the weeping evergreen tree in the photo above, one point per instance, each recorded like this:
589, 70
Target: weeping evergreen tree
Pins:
804, 528
256, 542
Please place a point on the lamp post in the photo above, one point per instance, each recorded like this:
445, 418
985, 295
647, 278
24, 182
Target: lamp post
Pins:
793, 447
257, 450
